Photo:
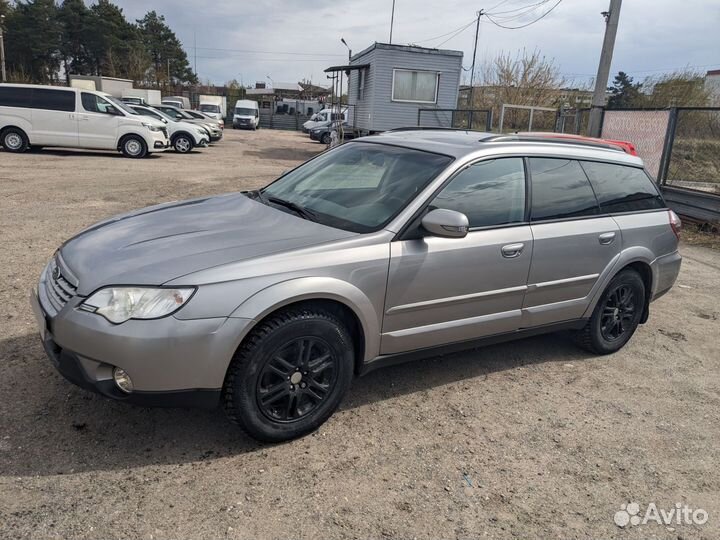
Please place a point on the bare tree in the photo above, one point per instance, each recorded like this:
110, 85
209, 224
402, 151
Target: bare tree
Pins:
523, 78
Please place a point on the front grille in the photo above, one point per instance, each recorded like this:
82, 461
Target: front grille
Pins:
60, 286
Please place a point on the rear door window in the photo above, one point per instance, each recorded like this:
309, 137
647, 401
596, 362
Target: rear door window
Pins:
560, 190
53, 100
15, 97
620, 188
489, 193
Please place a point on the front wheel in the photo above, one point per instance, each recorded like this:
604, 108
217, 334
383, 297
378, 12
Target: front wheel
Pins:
182, 144
616, 315
133, 146
289, 375
325, 139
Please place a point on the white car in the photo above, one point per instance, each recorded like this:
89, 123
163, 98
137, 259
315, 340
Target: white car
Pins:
183, 135
37, 116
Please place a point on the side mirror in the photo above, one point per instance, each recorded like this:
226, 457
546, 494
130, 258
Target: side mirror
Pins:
446, 223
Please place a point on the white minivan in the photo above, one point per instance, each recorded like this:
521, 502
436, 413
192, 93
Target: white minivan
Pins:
36, 116
246, 114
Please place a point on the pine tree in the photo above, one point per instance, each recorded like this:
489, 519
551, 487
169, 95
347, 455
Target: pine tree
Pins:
625, 92
165, 51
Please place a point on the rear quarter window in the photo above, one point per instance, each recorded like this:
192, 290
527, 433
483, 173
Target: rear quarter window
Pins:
15, 97
620, 188
560, 190
53, 100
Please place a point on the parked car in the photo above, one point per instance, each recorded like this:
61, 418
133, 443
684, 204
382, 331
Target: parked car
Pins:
216, 132
179, 102
323, 118
246, 114
38, 116
183, 135
323, 133
383, 249
205, 118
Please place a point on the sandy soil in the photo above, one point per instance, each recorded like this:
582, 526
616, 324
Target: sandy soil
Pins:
532, 439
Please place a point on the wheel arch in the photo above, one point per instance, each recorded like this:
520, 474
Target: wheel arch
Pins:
639, 259
18, 127
341, 298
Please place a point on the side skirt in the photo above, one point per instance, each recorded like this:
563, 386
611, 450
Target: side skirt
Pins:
451, 348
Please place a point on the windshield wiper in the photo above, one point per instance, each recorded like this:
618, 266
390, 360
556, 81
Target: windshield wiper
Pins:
299, 210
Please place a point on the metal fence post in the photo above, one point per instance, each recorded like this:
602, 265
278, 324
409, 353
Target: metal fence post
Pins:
668, 146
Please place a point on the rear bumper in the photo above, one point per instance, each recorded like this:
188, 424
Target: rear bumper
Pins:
665, 273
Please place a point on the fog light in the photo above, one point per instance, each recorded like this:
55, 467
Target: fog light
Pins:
123, 381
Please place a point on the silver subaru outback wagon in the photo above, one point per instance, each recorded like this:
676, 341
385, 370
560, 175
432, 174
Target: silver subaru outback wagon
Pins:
389, 247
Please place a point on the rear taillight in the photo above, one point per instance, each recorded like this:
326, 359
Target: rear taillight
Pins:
675, 223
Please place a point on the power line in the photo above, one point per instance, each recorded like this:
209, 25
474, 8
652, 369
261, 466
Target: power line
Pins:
446, 34
456, 34
527, 24
529, 8
248, 51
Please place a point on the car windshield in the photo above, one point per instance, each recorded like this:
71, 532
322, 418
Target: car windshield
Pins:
358, 186
164, 115
120, 105
243, 111
209, 108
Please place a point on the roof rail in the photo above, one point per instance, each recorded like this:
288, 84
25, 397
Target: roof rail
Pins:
425, 128
550, 139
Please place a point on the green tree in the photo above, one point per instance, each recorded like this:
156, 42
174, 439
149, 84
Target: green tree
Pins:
75, 19
684, 88
33, 41
114, 45
624, 92
165, 52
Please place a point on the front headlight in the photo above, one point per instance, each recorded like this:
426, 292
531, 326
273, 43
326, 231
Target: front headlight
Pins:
151, 127
119, 304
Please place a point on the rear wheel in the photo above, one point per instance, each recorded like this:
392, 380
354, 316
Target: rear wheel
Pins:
133, 146
14, 140
289, 375
182, 143
616, 316
325, 139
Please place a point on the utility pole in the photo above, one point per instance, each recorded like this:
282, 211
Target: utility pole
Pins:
392, 21
168, 62
612, 16
472, 69
2, 49
195, 52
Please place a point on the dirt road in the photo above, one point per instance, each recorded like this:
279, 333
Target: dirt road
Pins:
533, 439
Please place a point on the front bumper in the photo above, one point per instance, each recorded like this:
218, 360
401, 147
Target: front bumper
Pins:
157, 142
172, 362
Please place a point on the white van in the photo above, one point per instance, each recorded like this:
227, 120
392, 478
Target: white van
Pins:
246, 114
37, 116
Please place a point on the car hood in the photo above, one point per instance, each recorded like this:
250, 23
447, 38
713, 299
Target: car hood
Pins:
161, 243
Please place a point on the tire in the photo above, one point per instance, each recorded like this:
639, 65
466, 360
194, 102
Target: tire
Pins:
14, 140
270, 390
616, 315
325, 139
182, 143
133, 146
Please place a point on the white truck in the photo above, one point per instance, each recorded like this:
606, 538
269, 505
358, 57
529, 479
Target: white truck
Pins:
138, 96
179, 102
214, 106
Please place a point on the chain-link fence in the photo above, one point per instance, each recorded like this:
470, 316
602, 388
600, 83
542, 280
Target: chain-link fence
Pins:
694, 152
477, 119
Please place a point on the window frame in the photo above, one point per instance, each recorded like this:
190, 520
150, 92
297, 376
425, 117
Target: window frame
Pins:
406, 70
599, 213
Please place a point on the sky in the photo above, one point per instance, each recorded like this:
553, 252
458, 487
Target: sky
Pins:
294, 40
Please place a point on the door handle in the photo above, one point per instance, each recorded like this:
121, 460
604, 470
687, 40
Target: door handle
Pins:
82, 117
606, 238
512, 250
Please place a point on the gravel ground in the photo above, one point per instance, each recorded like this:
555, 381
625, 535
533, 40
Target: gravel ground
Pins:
532, 439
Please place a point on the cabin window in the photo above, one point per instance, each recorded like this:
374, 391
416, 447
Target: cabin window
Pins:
415, 86
361, 84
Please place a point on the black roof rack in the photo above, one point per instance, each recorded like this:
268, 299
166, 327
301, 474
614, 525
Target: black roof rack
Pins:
428, 128
554, 140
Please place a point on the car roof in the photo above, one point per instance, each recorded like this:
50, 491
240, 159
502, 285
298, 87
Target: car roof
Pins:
466, 143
